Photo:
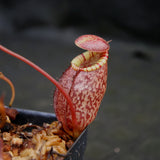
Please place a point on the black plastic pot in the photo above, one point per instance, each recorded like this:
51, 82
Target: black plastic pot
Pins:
76, 152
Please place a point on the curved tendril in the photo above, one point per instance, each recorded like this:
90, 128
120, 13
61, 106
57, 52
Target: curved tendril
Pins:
11, 85
49, 77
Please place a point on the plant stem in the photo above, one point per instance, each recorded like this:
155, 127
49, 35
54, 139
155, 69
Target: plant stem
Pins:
49, 77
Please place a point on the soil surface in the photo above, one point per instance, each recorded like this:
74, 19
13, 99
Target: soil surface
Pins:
127, 124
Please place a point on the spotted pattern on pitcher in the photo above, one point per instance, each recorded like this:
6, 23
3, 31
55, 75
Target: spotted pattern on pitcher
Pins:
87, 91
85, 82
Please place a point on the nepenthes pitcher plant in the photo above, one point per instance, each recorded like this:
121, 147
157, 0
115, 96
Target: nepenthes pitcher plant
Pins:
80, 89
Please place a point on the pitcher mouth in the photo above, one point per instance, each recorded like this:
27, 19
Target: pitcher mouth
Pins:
89, 61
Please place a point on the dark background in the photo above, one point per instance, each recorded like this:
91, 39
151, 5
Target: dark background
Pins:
134, 18
127, 124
